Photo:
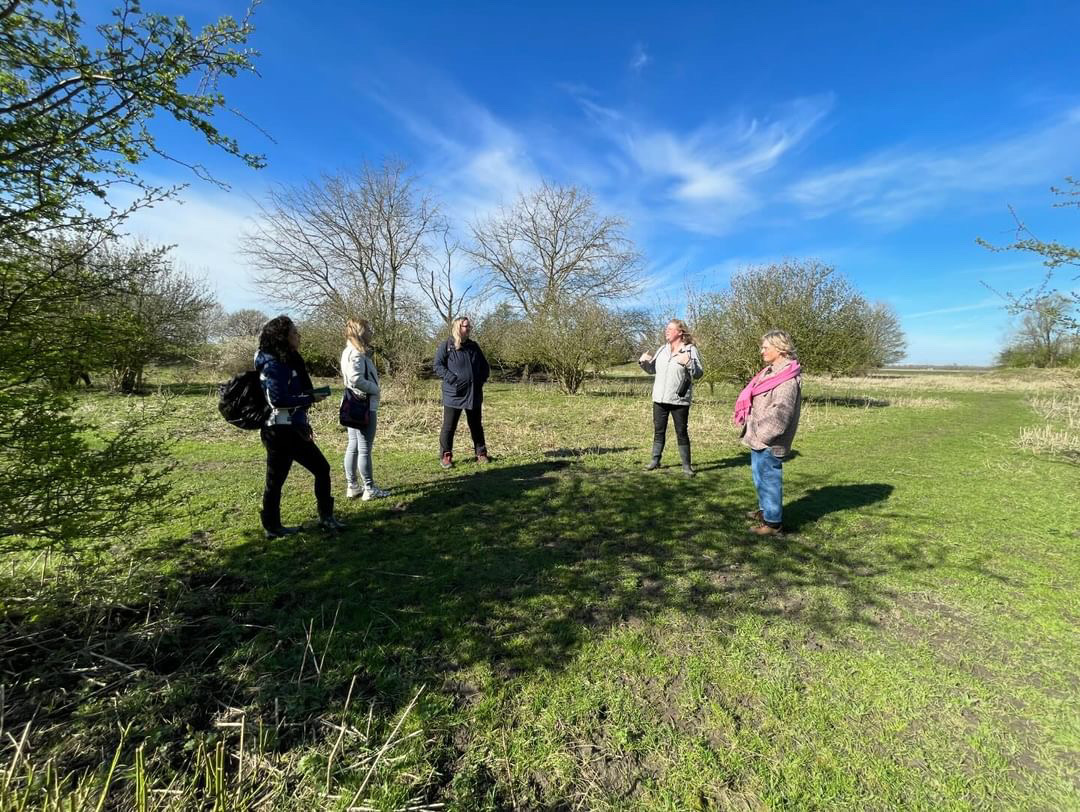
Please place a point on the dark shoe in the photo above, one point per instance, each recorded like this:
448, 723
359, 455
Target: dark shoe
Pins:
331, 524
483, 458
756, 515
764, 529
657, 452
281, 532
684, 455
447, 460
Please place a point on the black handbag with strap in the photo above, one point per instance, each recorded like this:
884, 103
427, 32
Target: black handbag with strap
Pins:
354, 412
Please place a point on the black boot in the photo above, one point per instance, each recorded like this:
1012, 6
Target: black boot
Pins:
684, 455
657, 452
327, 521
281, 532
271, 522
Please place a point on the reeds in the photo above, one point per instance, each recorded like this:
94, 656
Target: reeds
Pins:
1059, 434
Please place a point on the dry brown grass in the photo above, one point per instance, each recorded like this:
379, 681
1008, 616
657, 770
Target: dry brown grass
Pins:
1042, 380
1059, 435
1048, 440
1061, 408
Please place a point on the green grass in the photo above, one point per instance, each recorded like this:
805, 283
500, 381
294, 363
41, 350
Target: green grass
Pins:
562, 630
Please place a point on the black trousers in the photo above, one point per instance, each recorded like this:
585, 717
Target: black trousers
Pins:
284, 446
680, 416
450, 418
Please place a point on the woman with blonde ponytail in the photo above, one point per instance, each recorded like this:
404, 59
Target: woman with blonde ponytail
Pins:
362, 378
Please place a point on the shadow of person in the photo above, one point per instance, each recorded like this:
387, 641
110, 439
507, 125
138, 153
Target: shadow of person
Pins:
819, 502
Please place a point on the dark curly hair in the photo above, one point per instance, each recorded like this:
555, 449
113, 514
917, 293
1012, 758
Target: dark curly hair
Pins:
274, 338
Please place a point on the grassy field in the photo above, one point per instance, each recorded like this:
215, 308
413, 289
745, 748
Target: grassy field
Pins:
561, 630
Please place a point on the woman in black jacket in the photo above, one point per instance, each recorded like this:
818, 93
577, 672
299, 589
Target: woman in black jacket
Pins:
287, 435
463, 368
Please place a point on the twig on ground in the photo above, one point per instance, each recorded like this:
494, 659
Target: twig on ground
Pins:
341, 735
386, 746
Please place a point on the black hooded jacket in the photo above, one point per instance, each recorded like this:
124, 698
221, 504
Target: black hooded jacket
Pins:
463, 373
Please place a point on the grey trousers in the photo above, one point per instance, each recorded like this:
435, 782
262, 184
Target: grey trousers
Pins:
358, 455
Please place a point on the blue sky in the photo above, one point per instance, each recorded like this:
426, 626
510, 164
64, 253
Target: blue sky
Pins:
879, 138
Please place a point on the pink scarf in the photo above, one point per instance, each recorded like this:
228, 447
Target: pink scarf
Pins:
758, 386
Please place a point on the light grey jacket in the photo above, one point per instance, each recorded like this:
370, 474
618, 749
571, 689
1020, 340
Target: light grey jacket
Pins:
354, 364
669, 374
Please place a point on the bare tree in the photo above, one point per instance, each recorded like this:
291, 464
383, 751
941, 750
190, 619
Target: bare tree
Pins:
347, 245
552, 246
438, 282
1046, 336
1054, 256
887, 343
243, 323
159, 315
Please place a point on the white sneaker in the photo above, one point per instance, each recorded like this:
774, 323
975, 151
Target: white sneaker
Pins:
374, 493
353, 491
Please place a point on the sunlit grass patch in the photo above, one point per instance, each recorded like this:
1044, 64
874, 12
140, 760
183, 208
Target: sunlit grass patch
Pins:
564, 630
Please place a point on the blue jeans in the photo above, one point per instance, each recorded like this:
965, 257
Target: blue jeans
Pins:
358, 455
768, 473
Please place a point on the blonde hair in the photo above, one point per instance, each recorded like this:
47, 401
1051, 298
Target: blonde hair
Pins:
781, 342
684, 331
455, 330
358, 334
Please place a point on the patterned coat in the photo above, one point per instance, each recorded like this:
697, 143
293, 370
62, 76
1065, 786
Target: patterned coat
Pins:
774, 415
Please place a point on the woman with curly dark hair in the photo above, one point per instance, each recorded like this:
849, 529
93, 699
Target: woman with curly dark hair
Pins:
287, 435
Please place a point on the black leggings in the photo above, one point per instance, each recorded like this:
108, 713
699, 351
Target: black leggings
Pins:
450, 417
680, 415
285, 445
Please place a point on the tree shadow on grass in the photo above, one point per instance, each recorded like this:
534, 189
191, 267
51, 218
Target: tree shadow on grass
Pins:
588, 451
514, 565
504, 571
852, 402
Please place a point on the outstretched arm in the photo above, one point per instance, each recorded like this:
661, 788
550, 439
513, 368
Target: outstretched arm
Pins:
648, 362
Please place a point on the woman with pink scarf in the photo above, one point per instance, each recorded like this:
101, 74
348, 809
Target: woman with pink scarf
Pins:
768, 410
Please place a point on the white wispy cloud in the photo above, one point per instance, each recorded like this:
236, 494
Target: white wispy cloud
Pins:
205, 226
640, 58
474, 160
897, 185
983, 304
704, 179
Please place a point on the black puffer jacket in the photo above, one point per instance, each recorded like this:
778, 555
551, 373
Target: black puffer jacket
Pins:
463, 374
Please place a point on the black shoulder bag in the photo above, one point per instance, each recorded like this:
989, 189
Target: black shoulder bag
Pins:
354, 412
